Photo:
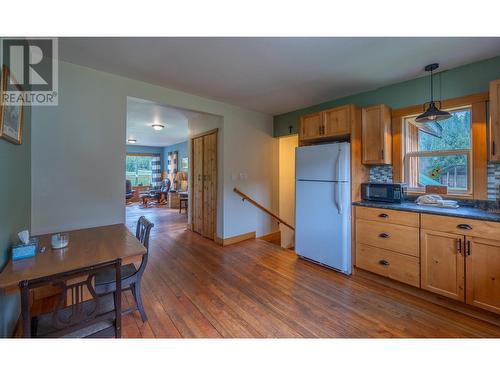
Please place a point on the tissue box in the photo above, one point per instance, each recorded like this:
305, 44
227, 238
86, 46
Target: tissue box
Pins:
21, 251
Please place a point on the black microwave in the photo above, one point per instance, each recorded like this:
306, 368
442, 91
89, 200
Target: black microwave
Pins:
383, 192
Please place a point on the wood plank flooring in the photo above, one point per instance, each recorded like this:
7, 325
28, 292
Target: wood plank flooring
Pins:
195, 288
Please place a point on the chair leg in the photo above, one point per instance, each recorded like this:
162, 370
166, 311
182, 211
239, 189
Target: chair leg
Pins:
136, 291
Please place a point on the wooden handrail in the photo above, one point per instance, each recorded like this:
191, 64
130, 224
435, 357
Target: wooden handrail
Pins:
256, 204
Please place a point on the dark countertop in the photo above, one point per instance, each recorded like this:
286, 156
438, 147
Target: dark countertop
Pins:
464, 211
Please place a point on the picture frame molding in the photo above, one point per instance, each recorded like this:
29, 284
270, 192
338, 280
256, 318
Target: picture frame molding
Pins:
6, 74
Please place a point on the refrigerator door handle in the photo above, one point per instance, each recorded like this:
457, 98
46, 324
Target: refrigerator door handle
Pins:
339, 197
338, 192
339, 163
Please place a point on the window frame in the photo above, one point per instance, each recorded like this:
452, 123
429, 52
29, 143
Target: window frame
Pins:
478, 103
407, 155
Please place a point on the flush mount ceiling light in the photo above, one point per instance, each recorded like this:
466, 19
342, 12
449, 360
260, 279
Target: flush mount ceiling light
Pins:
157, 126
131, 140
433, 112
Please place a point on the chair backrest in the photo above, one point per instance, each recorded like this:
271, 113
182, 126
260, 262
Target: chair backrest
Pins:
165, 186
142, 234
143, 230
88, 308
128, 186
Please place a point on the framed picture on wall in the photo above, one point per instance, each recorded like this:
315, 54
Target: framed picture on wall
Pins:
184, 164
11, 116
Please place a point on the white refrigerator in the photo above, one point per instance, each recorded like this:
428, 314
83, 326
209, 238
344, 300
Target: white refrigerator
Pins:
323, 205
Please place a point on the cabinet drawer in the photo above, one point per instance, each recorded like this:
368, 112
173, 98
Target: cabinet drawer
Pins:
410, 219
399, 238
387, 263
466, 227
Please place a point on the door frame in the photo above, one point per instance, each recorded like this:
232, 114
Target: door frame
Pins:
191, 178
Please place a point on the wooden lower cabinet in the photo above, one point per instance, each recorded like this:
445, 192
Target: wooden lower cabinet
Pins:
396, 266
483, 273
460, 261
442, 263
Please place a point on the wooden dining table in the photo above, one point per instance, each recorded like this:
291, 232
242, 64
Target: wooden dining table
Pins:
86, 247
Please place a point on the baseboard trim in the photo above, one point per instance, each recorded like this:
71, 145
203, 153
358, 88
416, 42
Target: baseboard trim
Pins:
235, 239
270, 237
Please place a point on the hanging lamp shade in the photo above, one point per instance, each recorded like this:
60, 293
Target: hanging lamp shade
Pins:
432, 113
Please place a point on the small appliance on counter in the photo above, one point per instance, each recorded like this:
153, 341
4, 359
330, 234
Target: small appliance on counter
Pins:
383, 192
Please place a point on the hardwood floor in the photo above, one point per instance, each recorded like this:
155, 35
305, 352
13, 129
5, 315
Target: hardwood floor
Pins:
195, 288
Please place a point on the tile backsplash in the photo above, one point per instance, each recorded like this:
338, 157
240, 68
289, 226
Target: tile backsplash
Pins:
493, 181
383, 173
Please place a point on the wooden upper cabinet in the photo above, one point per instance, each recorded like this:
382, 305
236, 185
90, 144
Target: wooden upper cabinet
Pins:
494, 124
376, 138
336, 121
483, 273
311, 126
442, 263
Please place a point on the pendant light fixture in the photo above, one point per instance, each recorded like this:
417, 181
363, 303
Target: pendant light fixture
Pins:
433, 112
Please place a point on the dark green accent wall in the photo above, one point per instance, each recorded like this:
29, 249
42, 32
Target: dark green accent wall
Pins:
15, 208
461, 81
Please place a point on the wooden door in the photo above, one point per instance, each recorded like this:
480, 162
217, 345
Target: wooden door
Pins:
376, 135
483, 273
442, 263
336, 121
494, 123
310, 126
197, 188
209, 185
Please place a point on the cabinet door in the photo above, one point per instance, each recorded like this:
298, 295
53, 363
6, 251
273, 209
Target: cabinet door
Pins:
483, 273
442, 263
209, 184
310, 126
376, 135
197, 193
494, 123
336, 121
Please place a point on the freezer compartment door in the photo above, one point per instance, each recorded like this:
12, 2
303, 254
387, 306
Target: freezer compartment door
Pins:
322, 223
327, 162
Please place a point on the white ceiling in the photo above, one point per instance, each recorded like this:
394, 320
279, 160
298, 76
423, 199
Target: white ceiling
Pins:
141, 114
274, 75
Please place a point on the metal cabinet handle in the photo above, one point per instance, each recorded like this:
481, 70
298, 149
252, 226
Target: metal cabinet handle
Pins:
384, 235
383, 262
459, 247
383, 216
468, 248
464, 226
493, 151
382, 154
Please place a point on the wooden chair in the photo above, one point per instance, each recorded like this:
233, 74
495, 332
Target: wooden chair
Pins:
98, 316
131, 277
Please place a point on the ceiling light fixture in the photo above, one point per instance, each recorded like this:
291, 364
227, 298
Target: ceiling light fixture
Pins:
433, 113
157, 126
131, 140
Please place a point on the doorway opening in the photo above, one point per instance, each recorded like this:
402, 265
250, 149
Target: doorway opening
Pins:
159, 164
156, 160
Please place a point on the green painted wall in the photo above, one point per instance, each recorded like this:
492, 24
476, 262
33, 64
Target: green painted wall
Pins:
464, 80
15, 207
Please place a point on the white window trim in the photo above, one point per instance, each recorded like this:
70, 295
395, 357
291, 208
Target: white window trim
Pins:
467, 152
